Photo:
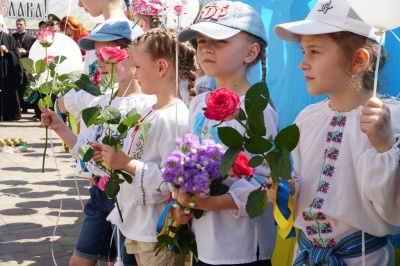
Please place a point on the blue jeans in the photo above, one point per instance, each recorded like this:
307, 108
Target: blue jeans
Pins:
96, 244
95, 240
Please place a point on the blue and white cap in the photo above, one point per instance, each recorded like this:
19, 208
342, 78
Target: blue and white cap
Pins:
111, 31
223, 19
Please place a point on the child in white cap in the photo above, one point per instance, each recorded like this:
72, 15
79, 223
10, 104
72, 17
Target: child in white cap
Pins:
346, 165
231, 37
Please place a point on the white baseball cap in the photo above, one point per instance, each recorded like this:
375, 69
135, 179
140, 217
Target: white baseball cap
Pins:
327, 16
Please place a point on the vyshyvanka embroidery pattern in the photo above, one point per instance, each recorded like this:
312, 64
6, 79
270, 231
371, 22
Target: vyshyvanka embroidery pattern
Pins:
319, 227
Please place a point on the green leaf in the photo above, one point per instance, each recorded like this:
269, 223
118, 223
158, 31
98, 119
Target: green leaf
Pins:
63, 77
242, 115
28, 64
48, 101
40, 66
52, 68
108, 141
256, 124
217, 188
144, 128
112, 188
89, 115
111, 114
197, 213
229, 159
114, 93
123, 131
117, 146
41, 104
113, 127
131, 113
255, 161
256, 99
105, 82
76, 75
132, 120
62, 58
99, 121
287, 138
82, 81
257, 145
128, 178
257, 203
85, 152
46, 88
230, 137
280, 164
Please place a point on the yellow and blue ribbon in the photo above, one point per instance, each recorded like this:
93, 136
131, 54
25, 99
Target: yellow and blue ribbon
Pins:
162, 223
283, 210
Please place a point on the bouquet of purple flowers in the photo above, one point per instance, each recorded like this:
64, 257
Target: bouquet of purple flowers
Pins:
193, 167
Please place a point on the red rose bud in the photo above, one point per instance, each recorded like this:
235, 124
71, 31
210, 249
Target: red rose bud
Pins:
112, 55
178, 10
222, 105
240, 167
48, 59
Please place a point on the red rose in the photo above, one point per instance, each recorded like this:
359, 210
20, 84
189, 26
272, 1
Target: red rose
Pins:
222, 105
240, 167
112, 54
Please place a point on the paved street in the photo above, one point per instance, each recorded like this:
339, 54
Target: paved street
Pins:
30, 201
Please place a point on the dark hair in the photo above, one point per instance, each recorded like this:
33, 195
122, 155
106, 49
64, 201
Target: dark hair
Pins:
42, 22
349, 43
123, 43
161, 43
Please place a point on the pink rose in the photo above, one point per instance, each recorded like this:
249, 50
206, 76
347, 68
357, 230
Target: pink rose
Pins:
45, 38
178, 10
47, 60
112, 54
240, 167
222, 105
102, 182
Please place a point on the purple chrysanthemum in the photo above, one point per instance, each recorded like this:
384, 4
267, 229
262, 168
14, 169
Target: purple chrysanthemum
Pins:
194, 165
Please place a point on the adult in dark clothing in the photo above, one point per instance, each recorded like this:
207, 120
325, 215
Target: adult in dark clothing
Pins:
11, 76
25, 41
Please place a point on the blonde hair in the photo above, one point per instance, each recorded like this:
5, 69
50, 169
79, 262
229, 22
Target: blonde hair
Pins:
153, 21
262, 55
129, 14
161, 43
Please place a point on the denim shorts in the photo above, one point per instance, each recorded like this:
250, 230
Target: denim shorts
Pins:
95, 241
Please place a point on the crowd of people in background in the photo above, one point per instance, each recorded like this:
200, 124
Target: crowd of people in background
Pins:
25, 38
